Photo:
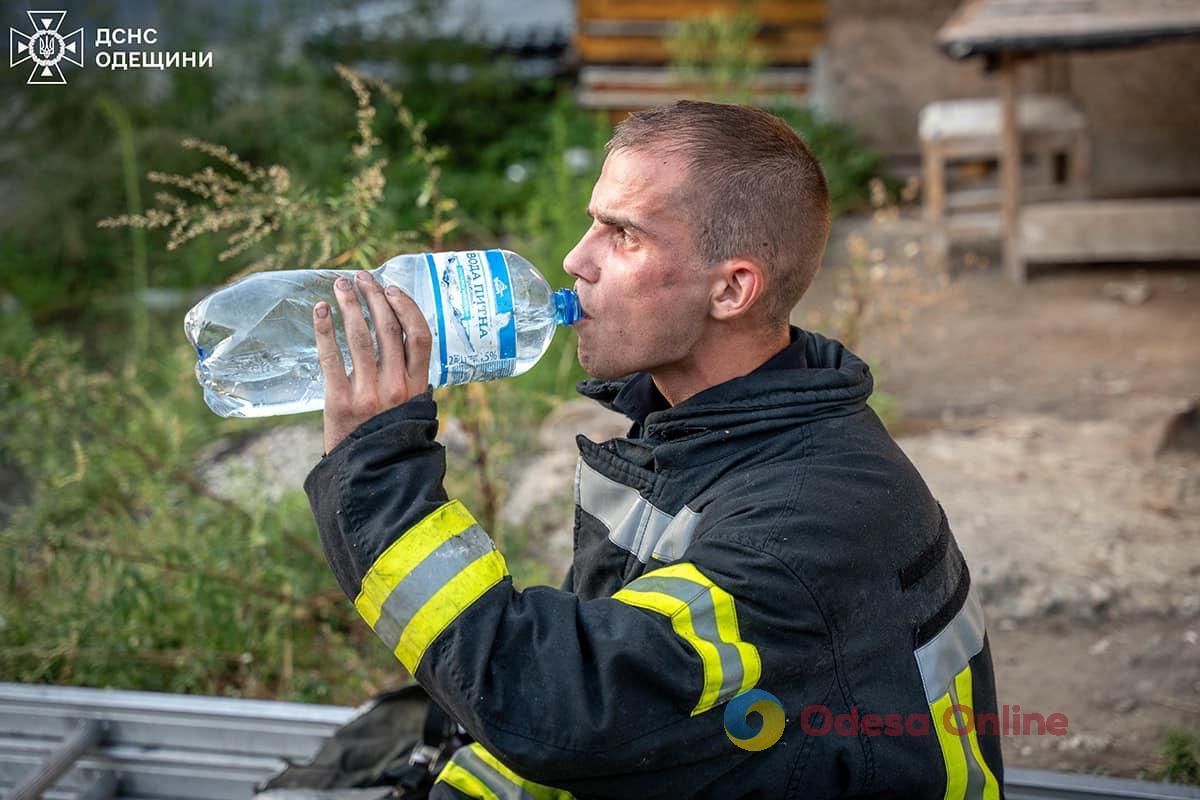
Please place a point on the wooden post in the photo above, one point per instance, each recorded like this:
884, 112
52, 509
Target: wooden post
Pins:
1010, 171
937, 242
1079, 170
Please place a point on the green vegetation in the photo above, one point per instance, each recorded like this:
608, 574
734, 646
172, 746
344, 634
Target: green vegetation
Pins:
718, 53
122, 566
1179, 755
124, 569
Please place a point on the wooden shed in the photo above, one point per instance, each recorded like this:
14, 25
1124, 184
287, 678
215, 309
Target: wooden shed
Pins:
624, 60
1009, 33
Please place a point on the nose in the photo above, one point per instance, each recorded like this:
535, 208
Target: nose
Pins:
579, 263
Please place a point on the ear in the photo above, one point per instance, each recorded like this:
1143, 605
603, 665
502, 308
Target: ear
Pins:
736, 286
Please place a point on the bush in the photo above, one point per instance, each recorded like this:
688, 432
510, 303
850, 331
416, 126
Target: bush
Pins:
1179, 756
848, 164
124, 569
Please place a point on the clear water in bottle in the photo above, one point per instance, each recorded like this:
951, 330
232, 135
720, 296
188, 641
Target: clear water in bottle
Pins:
491, 313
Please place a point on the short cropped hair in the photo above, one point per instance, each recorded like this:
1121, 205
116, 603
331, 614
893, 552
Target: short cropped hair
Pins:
755, 189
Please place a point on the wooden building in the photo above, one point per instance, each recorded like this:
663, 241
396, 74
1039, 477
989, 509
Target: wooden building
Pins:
625, 61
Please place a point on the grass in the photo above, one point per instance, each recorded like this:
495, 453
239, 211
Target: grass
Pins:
1179, 757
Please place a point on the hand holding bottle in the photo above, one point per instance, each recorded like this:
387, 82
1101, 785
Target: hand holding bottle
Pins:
489, 313
402, 371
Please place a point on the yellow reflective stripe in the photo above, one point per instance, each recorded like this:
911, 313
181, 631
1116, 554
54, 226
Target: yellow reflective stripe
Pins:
727, 625
727, 622
718, 615
681, 622
446, 604
537, 791
952, 751
454, 775
444, 577
406, 553
962, 684
685, 570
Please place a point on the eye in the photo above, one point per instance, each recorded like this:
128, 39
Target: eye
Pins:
623, 235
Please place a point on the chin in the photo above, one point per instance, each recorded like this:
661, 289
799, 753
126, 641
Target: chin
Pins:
608, 372
597, 368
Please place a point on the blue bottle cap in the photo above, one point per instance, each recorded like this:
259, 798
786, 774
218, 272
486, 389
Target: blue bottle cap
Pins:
566, 307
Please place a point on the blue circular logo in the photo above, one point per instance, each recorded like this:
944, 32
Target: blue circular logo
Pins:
737, 720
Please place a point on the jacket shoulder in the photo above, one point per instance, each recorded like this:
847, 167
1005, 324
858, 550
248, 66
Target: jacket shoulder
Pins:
844, 496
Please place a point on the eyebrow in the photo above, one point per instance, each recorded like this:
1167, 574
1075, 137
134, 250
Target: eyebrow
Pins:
618, 221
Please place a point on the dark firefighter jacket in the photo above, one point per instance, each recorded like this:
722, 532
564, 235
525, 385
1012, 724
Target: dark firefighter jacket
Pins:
765, 542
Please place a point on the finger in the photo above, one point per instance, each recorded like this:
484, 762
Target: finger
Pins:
337, 385
418, 341
358, 336
387, 328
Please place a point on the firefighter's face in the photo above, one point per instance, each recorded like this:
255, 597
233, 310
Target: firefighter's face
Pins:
639, 279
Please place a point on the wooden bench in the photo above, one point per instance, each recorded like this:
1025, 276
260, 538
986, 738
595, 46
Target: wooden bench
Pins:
1166, 229
1053, 136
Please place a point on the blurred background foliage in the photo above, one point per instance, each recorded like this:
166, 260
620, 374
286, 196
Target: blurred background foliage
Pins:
120, 566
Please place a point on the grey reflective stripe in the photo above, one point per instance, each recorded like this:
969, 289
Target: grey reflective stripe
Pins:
434, 572
975, 779
675, 539
634, 524
505, 789
704, 621
945, 655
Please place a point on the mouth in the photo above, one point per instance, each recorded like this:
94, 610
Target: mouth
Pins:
583, 307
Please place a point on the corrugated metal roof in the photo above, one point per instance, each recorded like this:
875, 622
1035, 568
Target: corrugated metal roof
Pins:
492, 22
989, 27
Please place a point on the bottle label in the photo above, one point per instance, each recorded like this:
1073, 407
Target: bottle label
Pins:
476, 332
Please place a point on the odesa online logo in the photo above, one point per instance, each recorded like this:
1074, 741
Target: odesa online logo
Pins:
737, 720
45, 46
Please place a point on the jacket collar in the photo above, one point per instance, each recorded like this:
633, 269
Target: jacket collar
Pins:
637, 397
814, 377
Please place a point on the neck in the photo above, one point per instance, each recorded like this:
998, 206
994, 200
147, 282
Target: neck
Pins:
722, 354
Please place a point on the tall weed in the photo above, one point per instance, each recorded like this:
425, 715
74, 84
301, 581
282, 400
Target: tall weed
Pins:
123, 568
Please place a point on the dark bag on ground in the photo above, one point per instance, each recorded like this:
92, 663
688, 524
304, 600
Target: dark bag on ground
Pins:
391, 750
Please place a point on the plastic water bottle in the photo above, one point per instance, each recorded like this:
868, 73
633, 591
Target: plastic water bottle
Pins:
491, 313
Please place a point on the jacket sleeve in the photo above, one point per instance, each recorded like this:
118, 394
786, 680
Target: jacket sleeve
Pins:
610, 697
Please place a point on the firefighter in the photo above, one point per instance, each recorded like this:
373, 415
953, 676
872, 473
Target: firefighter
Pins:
760, 576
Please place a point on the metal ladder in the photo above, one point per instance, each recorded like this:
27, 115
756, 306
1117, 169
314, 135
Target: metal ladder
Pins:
70, 743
